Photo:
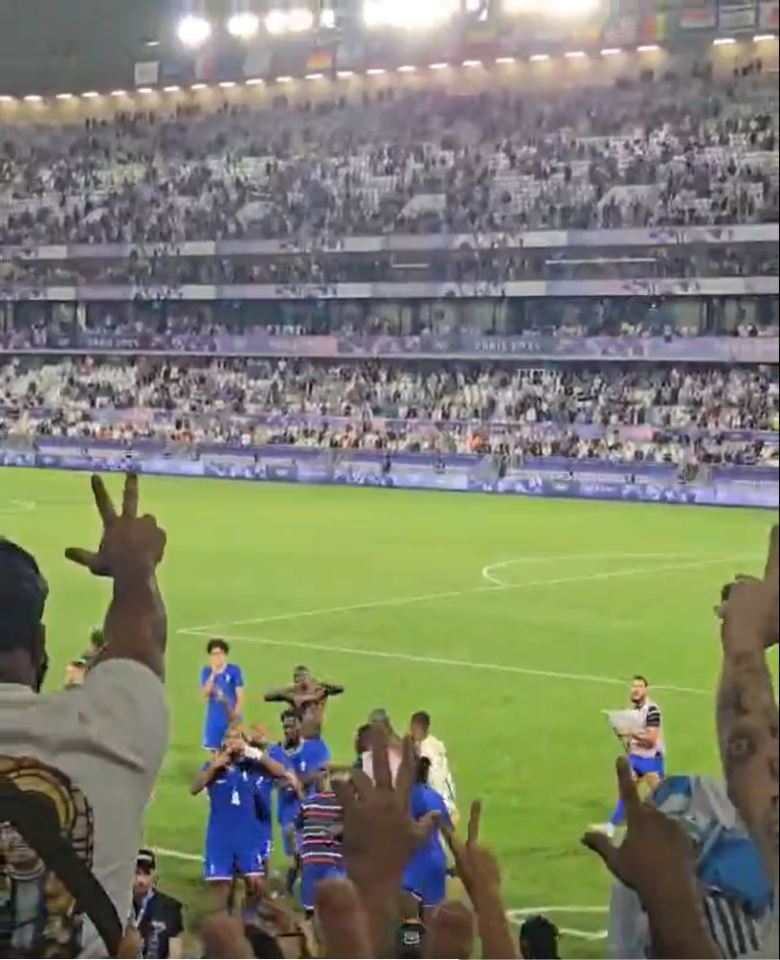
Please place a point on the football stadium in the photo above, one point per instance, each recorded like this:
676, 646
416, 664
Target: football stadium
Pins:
389, 453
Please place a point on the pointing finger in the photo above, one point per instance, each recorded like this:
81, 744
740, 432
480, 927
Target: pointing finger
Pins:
771, 569
130, 496
103, 501
627, 787
475, 814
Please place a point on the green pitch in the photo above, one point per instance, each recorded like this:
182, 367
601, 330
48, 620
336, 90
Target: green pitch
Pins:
514, 622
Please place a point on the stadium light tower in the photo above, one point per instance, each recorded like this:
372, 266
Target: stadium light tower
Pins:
193, 30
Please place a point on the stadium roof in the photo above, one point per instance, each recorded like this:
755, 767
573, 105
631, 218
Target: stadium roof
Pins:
51, 44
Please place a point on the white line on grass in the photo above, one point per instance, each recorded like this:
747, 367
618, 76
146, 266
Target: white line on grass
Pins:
441, 661
178, 855
200, 629
18, 506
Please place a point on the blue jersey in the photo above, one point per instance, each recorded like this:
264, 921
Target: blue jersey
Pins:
426, 800
223, 692
232, 794
305, 758
320, 829
264, 790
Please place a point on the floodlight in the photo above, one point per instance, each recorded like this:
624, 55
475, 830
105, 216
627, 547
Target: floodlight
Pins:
328, 18
276, 21
299, 20
243, 25
193, 31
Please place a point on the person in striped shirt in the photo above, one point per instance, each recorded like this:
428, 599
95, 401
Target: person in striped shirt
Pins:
320, 831
645, 749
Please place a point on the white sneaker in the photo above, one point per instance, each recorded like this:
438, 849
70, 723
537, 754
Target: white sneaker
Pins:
608, 829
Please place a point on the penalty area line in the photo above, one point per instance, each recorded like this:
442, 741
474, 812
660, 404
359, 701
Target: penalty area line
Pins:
495, 585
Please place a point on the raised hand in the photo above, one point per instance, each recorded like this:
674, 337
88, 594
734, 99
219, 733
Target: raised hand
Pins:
380, 835
749, 608
476, 865
479, 873
652, 838
130, 546
657, 860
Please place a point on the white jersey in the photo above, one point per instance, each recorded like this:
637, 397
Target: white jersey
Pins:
650, 717
439, 777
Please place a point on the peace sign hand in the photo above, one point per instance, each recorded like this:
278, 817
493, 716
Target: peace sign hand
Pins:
131, 547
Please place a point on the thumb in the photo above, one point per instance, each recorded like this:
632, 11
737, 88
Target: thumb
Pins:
601, 844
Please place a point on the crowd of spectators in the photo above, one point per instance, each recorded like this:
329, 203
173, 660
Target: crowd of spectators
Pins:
424, 162
613, 412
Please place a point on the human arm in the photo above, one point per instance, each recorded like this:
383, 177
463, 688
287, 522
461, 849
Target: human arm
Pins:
332, 689
479, 873
129, 552
380, 836
207, 774
207, 679
657, 861
175, 941
239, 707
747, 718
280, 695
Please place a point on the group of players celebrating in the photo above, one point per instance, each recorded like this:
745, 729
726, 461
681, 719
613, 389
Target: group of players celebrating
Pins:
246, 770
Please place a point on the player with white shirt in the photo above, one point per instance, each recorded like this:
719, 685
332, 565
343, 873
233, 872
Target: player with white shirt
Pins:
439, 775
645, 748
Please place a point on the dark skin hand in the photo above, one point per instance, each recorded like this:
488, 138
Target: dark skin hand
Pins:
657, 860
130, 549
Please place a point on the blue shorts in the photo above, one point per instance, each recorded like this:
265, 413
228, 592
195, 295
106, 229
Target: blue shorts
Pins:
214, 733
427, 880
644, 765
226, 859
311, 874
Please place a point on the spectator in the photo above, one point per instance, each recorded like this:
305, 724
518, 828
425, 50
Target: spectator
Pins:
539, 939
156, 916
98, 746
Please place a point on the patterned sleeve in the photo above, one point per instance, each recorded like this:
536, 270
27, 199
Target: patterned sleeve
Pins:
653, 718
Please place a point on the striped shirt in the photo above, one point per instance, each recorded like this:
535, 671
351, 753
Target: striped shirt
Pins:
650, 717
320, 828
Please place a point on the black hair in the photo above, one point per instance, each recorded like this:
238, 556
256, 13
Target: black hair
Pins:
217, 643
539, 938
423, 769
23, 592
289, 712
641, 679
423, 718
301, 668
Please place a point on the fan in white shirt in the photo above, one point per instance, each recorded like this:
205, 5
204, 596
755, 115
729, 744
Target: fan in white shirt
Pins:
77, 767
439, 777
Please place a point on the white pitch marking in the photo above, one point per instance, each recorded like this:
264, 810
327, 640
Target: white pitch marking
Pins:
502, 564
441, 661
178, 855
451, 594
22, 506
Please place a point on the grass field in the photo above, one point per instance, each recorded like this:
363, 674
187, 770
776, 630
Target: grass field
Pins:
513, 621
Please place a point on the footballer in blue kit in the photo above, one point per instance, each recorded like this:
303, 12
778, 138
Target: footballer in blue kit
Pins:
425, 875
304, 753
222, 686
237, 841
